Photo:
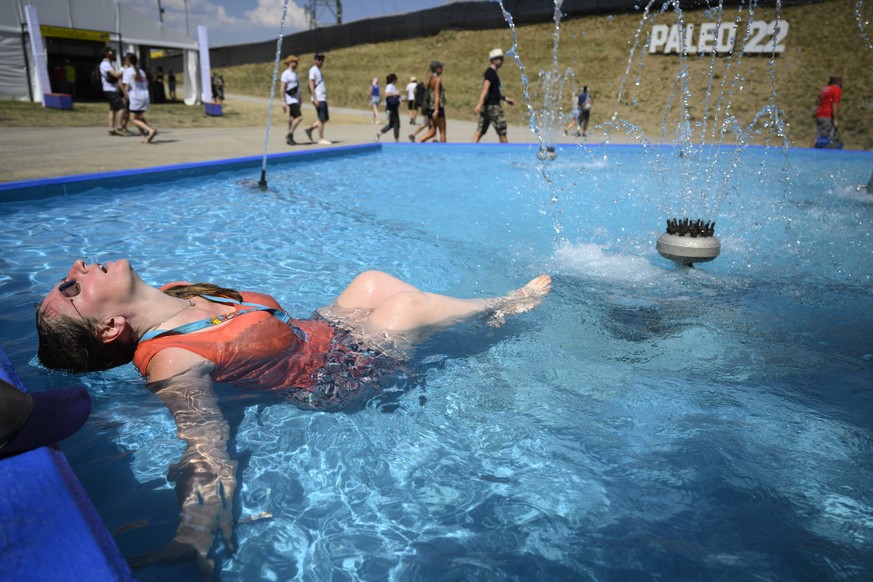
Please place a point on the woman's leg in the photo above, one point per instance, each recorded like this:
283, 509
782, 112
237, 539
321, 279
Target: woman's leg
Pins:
412, 310
395, 119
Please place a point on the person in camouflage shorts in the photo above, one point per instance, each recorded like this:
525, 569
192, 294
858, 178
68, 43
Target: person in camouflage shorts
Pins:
488, 108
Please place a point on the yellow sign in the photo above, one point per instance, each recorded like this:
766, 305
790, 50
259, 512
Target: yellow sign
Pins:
75, 34
156, 54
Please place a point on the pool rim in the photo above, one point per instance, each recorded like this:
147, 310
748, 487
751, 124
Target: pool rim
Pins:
35, 188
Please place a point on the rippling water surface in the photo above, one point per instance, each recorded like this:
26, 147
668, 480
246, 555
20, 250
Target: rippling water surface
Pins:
648, 421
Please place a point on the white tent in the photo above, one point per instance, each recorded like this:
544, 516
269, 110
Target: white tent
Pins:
77, 31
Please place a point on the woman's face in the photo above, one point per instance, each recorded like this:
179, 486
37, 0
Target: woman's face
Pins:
90, 291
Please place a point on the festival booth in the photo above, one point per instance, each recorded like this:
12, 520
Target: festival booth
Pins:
48, 48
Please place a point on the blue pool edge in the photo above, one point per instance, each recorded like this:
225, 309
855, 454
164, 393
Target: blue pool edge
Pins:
62, 539
14, 191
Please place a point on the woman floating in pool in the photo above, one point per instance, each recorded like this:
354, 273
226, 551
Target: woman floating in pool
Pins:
184, 337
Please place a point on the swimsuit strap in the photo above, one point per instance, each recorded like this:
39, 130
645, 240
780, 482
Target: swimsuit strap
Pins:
219, 319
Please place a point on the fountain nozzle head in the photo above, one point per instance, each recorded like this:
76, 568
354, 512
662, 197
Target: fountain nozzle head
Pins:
547, 153
689, 241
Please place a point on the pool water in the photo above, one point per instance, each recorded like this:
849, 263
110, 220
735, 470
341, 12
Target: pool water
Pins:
647, 421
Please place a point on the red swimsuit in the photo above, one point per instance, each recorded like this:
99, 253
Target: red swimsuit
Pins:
255, 350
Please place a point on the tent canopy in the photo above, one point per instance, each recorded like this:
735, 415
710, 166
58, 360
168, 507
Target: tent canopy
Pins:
110, 16
119, 24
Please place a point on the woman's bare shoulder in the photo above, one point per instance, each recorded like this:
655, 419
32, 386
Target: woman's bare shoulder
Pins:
171, 362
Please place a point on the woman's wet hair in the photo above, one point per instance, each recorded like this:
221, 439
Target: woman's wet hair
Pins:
186, 291
73, 344
391, 78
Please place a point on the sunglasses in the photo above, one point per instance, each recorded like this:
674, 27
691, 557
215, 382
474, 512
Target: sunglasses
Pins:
69, 289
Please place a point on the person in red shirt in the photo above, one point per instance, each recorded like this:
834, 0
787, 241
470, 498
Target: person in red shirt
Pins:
185, 337
827, 114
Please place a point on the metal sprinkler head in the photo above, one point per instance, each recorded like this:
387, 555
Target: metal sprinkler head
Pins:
547, 153
688, 241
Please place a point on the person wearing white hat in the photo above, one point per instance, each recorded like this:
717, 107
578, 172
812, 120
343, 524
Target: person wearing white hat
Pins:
488, 107
291, 101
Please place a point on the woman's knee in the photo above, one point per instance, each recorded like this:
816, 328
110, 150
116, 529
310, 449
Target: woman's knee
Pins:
370, 281
371, 288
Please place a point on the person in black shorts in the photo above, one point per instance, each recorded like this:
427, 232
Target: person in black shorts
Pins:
291, 102
109, 79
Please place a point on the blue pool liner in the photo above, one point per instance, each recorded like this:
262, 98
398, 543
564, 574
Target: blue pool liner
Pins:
49, 529
67, 185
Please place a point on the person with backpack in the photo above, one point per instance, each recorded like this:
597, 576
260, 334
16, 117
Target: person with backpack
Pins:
434, 107
420, 96
392, 107
109, 79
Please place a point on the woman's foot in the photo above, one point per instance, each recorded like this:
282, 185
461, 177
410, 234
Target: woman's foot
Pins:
150, 136
520, 301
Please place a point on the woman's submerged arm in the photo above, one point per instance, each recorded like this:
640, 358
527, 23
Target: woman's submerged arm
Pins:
205, 476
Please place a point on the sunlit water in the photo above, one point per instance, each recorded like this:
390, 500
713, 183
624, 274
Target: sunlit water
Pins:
648, 421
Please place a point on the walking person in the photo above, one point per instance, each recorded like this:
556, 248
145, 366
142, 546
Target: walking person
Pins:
160, 93
291, 101
136, 86
435, 102
392, 107
219, 88
109, 79
827, 120
171, 82
575, 116
411, 103
488, 107
584, 103
375, 99
318, 95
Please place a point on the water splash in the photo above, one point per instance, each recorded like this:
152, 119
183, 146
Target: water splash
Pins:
862, 27
263, 181
547, 149
708, 141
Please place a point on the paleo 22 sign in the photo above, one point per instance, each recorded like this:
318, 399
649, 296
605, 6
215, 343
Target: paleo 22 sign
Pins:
759, 37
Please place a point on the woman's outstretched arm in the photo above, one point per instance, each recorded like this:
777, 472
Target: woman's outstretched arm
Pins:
205, 476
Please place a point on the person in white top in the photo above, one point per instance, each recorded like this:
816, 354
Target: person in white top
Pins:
411, 103
392, 106
136, 85
291, 91
318, 94
109, 79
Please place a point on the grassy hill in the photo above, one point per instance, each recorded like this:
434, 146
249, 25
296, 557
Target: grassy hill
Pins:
823, 39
